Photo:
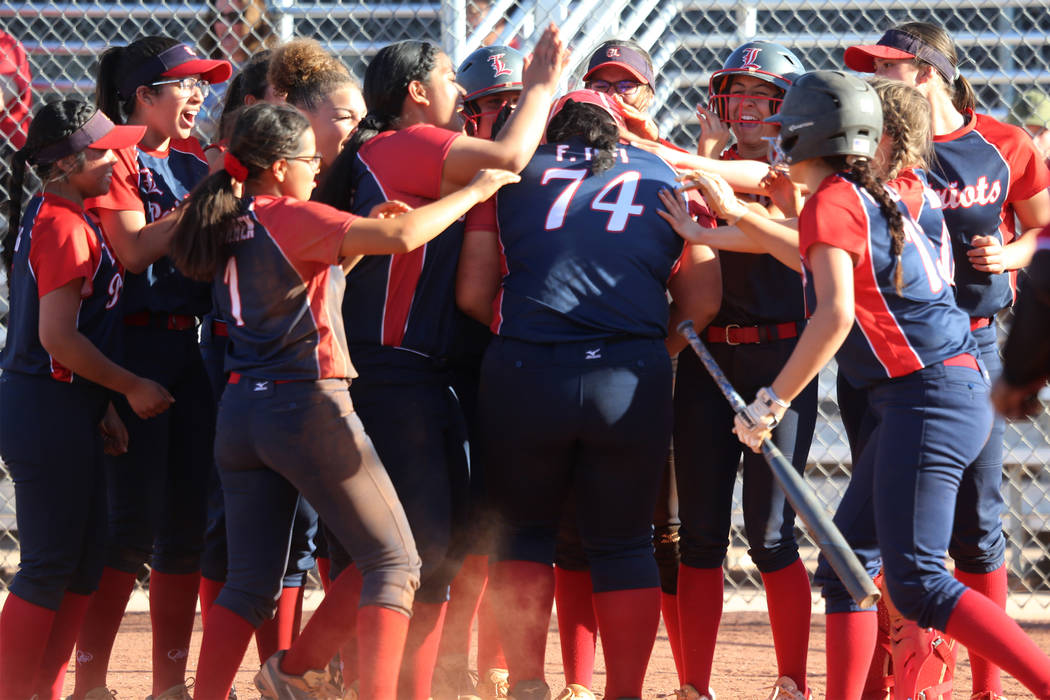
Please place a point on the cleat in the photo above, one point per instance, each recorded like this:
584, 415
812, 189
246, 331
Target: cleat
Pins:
175, 692
275, 684
786, 689
493, 684
99, 693
575, 691
530, 690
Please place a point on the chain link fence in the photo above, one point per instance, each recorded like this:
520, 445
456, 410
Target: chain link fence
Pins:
1003, 45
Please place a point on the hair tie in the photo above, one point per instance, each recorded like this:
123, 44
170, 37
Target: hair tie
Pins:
234, 167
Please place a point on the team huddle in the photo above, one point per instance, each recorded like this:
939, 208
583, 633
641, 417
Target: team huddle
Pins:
418, 333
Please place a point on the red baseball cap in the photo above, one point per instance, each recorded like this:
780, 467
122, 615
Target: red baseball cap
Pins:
896, 45
97, 132
615, 53
592, 97
179, 61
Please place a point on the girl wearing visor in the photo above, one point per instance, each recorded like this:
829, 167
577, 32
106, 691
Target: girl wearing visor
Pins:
59, 372
987, 174
158, 488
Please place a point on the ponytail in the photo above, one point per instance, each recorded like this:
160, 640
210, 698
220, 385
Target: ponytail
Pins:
116, 63
210, 218
963, 96
15, 183
860, 173
387, 78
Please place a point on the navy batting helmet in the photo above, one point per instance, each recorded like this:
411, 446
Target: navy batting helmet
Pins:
765, 60
489, 70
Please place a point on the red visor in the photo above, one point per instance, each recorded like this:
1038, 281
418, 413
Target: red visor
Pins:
896, 45
592, 97
98, 132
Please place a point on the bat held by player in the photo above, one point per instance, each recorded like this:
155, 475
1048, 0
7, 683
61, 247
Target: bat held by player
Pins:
824, 532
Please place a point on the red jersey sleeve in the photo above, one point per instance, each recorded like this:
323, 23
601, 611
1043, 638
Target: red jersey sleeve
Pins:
123, 192
699, 211
482, 217
835, 217
910, 188
1028, 172
62, 251
305, 231
419, 153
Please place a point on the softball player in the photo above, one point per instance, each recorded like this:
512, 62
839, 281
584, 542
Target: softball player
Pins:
763, 311
157, 490
1026, 360
910, 347
286, 420
987, 173
580, 321
402, 308
491, 77
59, 370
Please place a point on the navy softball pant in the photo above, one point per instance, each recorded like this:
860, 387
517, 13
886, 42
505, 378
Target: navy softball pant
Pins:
898, 509
52, 448
277, 440
707, 457
304, 531
157, 491
590, 419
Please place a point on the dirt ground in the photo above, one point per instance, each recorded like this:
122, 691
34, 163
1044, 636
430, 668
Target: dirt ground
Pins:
744, 662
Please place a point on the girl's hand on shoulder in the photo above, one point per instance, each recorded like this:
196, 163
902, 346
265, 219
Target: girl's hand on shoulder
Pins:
148, 398
389, 210
717, 193
489, 180
677, 214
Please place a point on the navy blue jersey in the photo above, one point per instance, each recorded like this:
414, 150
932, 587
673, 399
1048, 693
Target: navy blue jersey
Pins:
758, 290
154, 183
280, 291
895, 333
979, 171
57, 243
585, 256
408, 300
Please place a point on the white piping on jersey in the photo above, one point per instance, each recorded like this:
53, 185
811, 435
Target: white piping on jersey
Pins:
1009, 179
859, 192
390, 262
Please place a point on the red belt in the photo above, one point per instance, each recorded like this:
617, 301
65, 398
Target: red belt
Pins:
219, 328
963, 360
735, 335
171, 322
235, 378
979, 322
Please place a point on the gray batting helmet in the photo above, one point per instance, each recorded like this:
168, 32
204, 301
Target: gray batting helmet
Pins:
489, 70
829, 113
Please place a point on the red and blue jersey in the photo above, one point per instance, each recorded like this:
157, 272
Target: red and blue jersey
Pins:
585, 256
404, 301
57, 243
979, 171
154, 182
758, 289
281, 289
895, 333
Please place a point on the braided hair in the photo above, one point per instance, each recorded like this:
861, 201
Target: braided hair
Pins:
387, 78
262, 135
53, 122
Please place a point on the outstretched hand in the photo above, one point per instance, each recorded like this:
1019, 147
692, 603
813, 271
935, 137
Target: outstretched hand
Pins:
547, 61
714, 134
717, 193
677, 214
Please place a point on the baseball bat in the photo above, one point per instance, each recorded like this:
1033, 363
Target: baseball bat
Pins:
831, 542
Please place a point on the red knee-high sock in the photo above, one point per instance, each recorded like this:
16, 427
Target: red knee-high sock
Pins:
464, 599
226, 638
490, 650
850, 644
627, 621
277, 634
24, 632
324, 568
669, 609
421, 649
64, 630
993, 586
982, 626
381, 635
331, 624
99, 629
172, 607
524, 593
699, 614
297, 614
207, 593
577, 624
789, 601
348, 650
